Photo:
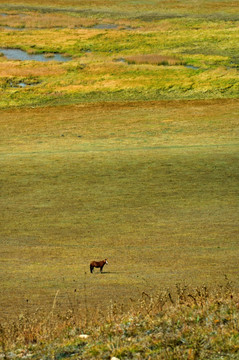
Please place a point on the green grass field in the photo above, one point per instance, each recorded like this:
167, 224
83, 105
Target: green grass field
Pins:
129, 151
151, 186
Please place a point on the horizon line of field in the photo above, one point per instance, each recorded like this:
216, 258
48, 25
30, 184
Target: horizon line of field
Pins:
145, 148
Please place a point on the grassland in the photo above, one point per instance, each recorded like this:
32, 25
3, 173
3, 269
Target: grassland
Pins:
128, 151
153, 187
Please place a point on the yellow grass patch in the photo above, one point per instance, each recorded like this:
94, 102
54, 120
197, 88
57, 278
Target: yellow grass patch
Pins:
154, 59
18, 68
46, 20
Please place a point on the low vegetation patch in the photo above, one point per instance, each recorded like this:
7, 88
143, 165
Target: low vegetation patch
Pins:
187, 323
154, 59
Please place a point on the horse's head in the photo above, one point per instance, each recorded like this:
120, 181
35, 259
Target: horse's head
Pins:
106, 262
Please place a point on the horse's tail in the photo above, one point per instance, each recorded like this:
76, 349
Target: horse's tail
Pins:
91, 268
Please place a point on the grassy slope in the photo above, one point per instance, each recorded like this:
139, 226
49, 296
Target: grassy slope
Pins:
150, 186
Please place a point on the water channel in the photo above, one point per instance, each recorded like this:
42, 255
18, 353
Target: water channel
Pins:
104, 26
17, 54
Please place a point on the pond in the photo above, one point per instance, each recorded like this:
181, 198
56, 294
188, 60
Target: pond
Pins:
17, 54
121, 60
20, 84
191, 67
105, 26
4, 14
12, 28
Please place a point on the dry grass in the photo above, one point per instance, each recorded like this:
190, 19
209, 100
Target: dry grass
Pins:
187, 323
154, 59
139, 8
47, 20
18, 69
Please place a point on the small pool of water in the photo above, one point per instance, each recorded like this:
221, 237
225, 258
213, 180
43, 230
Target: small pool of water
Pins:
12, 28
129, 28
21, 84
104, 26
121, 60
4, 14
191, 67
17, 54
29, 28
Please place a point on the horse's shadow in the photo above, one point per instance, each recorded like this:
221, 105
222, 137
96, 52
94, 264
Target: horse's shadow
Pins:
107, 272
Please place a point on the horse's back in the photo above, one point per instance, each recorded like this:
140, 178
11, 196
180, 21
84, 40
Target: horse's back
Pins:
98, 263
95, 263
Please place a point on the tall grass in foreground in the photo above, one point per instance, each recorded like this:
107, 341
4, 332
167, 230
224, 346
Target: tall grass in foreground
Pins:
199, 323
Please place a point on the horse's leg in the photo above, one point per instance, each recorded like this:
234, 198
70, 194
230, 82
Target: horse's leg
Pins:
91, 269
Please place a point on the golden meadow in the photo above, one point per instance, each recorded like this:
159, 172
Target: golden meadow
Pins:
128, 151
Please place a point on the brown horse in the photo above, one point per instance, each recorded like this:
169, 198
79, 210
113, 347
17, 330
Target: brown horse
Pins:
98, 264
